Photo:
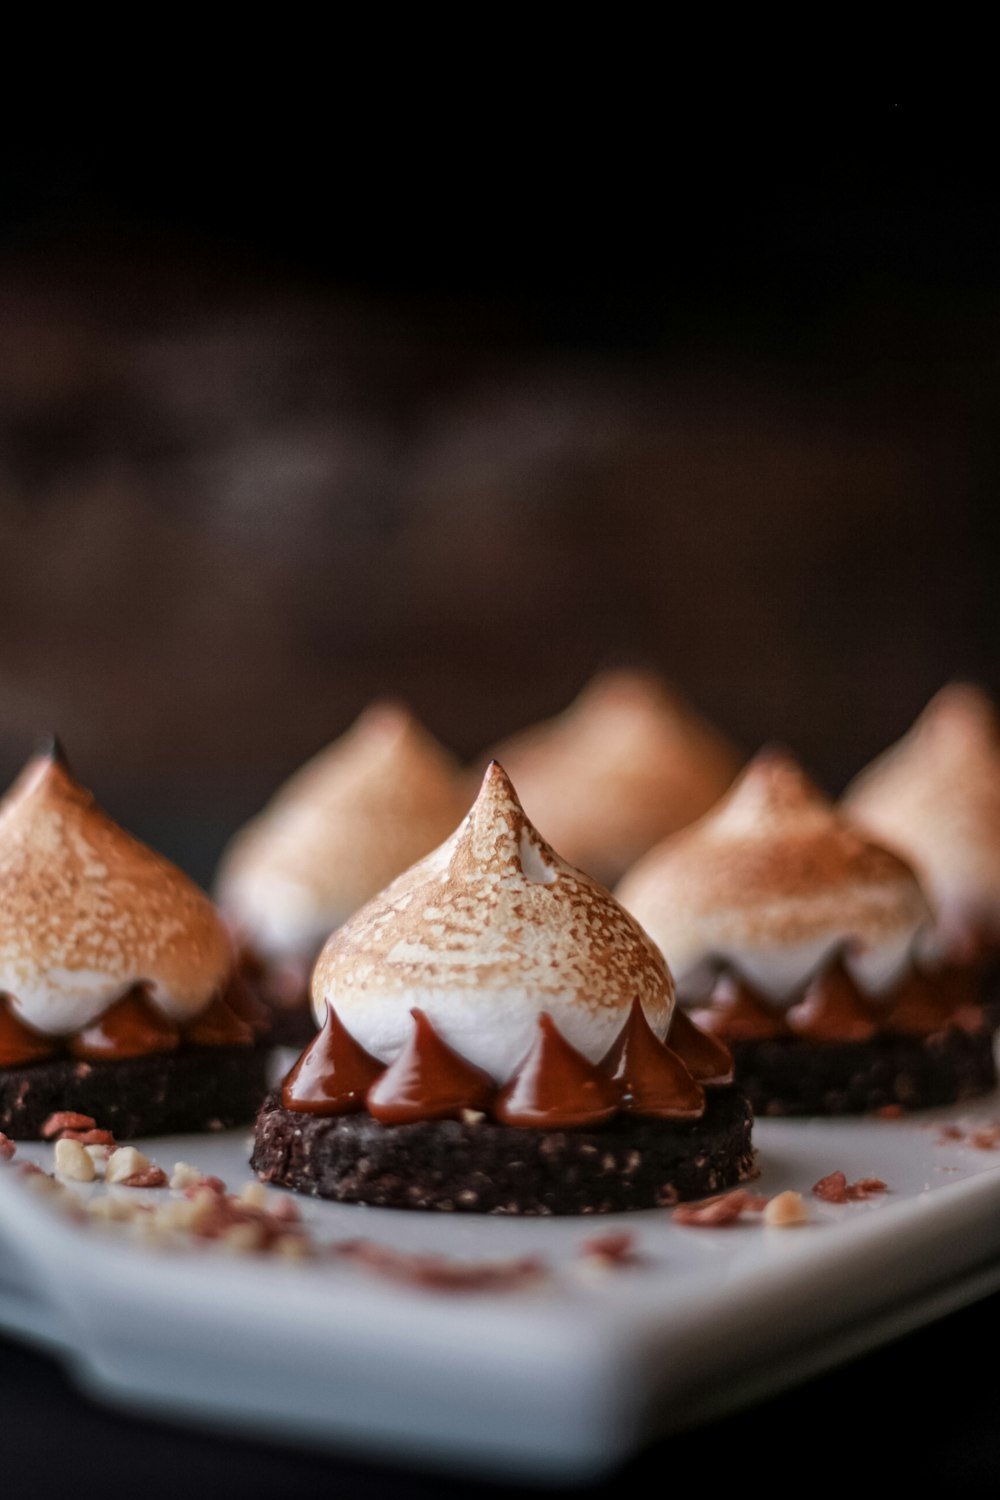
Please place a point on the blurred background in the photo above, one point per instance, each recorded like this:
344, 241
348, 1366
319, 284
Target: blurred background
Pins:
275, 441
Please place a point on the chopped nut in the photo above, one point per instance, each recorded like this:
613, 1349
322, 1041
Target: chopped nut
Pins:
66, 1119
125, 1162
185, 1176
293, 1247
832, 1188
242, 1239
98, 1155
254, 1195
612, 1249
73, 1162
117, 1210
714, 1213
473, 1116
41, 1183
786, 1211
149, 1177
7, 1147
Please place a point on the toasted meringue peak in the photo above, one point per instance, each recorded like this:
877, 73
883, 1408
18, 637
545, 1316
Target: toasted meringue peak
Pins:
624, 766
338, 831
772, 882
935, 796
485, 934
87, 911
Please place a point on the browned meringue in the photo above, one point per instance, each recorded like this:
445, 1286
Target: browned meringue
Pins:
772, 883
624, 766
484, 935
935, 796
87, 911
338, 831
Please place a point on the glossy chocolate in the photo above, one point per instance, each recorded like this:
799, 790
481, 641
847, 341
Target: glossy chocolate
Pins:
556, 1087
219, 1026
833, 1009
334, 1073
739, 1014
428, 1081
130, 1028
707, 1059
653, 1080
19, 1045
920, 1005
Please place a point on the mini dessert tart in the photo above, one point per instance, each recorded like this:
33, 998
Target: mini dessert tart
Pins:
500, 1036
118, 992
810, 950
935, 797
351, 820
627, 764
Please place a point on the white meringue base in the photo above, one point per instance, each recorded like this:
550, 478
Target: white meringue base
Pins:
494, 1031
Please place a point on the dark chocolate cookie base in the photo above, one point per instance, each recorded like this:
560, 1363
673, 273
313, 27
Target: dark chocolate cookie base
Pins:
793, 1076
498, 1169
199, 1088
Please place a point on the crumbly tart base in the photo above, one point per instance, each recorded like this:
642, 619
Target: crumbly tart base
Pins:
486, 1168
163, 1093
793, 1076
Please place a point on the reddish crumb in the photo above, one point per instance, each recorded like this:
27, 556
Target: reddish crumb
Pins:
835, 1188
615, 1248
150, 1177
890, 1112
89, 1137
980, 1138
437, 1272
986, 1139
66, 1119
950, 1133
7, 1147
28, 1169
713, 1213
214, 1185
866, 1186
832, 1188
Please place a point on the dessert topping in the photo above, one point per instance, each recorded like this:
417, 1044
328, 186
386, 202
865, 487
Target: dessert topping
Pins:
132, 1028
19, 1045
653, 1080
428, 1081
707, 1059
556, 1086
833, 1009
737, 1012
334, 1073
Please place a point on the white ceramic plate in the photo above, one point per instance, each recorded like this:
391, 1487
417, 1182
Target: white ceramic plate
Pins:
565, 1378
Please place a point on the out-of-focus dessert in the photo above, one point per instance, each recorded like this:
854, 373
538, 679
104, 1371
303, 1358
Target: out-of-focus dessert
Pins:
118, 992
935, 797
500, 1036
810, 949
624, 766
354, 817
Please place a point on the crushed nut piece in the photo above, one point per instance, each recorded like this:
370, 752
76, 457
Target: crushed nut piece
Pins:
72, 1161
614, 1248
98, 1155
472, 1116
125, 1162
254, 1195
242, 1239
185, 1176
7, 1147
149, 1177
786, 1211
890, 1112
438, 1273
714, 1213
66, 1119
835, 1188
116, 1210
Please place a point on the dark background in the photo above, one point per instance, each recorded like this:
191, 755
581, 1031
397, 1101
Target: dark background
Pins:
283, 429
289, 421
